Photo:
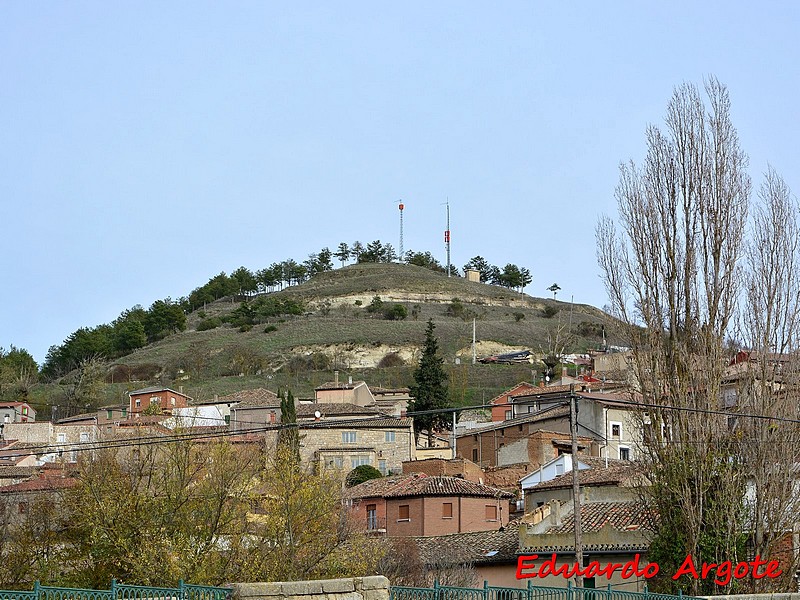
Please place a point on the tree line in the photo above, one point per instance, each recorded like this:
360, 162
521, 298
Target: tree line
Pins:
137, 326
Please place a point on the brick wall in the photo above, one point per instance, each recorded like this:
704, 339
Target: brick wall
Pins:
426, 516
457, 467
357, 588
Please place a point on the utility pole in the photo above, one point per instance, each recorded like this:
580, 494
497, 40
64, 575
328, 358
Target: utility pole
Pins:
453, 435
474, 358
576, 489
447, 237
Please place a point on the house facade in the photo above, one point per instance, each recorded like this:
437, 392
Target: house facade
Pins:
16, 412
422, 505
164, 398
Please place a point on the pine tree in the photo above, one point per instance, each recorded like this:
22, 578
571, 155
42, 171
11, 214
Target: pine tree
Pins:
289, 436
430, 387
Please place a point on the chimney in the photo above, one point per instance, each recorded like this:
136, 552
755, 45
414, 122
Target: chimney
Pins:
336, 378
555, 512
564, 372
180, 389
350, 380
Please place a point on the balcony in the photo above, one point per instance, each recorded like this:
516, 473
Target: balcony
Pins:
376, 524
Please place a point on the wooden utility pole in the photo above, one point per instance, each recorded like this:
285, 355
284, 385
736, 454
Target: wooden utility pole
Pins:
576, 489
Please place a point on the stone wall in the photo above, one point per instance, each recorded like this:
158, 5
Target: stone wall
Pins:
357, 588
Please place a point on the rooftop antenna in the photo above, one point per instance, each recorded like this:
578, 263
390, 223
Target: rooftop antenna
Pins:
401, 206
447, 237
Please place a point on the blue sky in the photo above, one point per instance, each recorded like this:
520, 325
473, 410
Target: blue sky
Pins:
148, 146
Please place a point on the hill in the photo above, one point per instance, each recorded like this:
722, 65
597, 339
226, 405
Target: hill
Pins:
336, 330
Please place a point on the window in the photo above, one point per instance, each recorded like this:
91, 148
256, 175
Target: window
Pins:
382, 466
519, 427
474, 455
508, 415
357, 461
24, 410
491, 512
138, 402
272, 417
172, 400
61, 438
389, 436
559, 468
84, 437
372, 516
338, 462
125, 411
109, 414
403, 513
616, 429
624, 453
155, 400
348, 437
447, 510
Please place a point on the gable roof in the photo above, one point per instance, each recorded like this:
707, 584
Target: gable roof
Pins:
597, 474
550, 412
334, 409
333, 385
474, 547
256, 398
420, 484
154, 389
510, 392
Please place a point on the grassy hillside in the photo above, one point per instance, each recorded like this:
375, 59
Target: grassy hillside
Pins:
336, 331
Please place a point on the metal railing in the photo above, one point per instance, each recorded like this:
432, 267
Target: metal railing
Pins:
531, 592
120, 592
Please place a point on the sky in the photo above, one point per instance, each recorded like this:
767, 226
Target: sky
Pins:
147, 146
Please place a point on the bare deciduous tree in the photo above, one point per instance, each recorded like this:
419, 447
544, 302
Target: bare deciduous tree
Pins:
674, 272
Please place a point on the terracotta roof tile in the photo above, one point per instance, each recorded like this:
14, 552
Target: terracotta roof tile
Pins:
332, 385
622, 516
335, 409
476, 548
257, 398
615, 473
420, 484
41, 484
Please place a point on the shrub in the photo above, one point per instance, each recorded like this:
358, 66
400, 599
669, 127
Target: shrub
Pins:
415, 310
361, 474
270, 329
376, 305
207, 324
396, 312
518, 316
549, 311
245, 328
358, 303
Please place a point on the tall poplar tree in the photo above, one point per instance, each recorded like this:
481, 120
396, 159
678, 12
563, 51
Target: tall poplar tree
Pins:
430, 387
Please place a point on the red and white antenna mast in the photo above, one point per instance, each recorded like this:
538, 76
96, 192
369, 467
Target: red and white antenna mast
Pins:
401, 206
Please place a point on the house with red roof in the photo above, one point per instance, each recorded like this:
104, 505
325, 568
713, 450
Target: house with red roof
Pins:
501, 405
418, 505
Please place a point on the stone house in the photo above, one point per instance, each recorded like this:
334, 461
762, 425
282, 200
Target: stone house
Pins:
419, 504
61, 441
165, 398
345, 443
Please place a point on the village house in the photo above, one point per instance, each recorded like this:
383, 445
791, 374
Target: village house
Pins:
346, 443
352, 392
501, 405
419, 504
61, 441
253, 409
16, 412
165, 399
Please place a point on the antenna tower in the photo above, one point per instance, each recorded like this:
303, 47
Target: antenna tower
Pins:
447, 237
401, 206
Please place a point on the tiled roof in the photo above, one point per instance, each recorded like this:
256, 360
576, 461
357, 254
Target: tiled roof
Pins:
332, 385
476, 547
381, 390
548, 413
153, 389
81, 417
598, 473
14, 472
257, 398
622, 516
420, 484
365, 422
39, 485
335, 409
521, 385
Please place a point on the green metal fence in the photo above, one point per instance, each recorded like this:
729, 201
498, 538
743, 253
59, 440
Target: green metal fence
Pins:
120, 592
531, 592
